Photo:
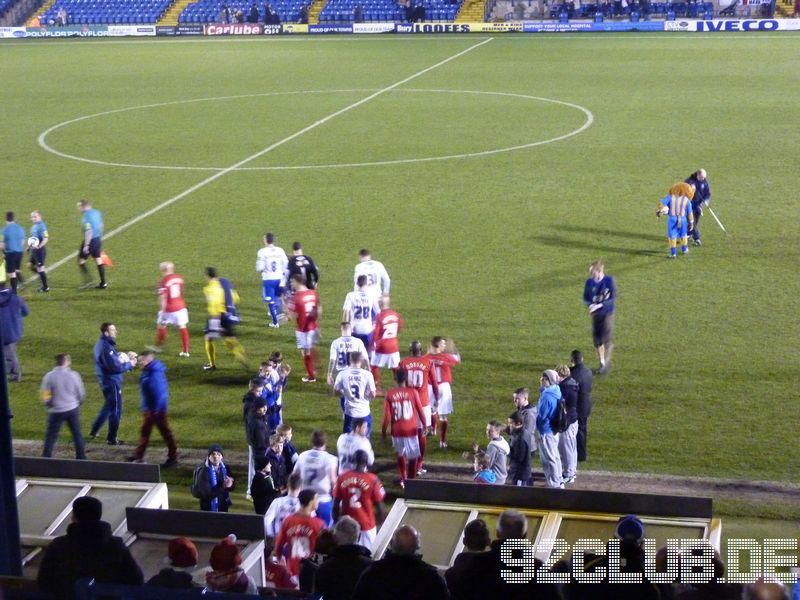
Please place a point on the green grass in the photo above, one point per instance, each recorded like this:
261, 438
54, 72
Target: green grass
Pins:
491, 251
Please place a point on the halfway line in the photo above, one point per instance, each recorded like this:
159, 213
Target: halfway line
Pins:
266, 150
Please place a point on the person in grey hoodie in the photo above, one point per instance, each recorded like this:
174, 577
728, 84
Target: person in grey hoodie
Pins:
63, 393
549, 396
497, 451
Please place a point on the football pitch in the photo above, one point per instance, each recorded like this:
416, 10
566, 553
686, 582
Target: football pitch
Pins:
485, 173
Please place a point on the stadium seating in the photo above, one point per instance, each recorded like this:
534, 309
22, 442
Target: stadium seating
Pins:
338, 11
207, 11
108, 12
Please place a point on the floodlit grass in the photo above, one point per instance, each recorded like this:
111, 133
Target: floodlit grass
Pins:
490, 250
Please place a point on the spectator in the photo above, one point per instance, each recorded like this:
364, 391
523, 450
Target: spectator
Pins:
238, 16
567, 439
182, 558
482, 465
275, 572
289, 451
519, 468
765, 590
270, 16
224, 14
528, 413
304, 14
61, 17
257, 430
497, 450
214, 482
12, 310
481, 577
336, 578
87, 551
226, 574
548, 448
401, 574
253, 16
155, 403
254, 393
583, 376
63, 393
283, 506
309, 565
358, 14
476, 539
262, 487
277, 461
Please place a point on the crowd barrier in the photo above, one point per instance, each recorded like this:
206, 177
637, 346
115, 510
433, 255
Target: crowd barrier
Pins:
248, 29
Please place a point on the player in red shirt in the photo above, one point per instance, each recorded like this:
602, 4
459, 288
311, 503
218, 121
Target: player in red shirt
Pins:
358, 494
172, 307
306, 309
386, 350
297, 537
275, 572
404, 411
419, 375
444, 355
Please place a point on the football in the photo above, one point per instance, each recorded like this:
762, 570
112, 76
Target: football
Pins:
33, 242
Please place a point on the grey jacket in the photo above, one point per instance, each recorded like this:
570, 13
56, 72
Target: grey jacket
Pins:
62, 390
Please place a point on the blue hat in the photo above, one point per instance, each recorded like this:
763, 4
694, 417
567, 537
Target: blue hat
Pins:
630, 529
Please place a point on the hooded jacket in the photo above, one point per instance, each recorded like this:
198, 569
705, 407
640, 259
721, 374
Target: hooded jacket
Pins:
153, 387
548, 400
497, 451
337, 577
87, 551
12, 310
107, 365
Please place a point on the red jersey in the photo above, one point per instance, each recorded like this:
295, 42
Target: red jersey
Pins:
278, 576
419, 375
359, 493
388, 324
306, 307
297, 538
171, 291
441, 365
403, 410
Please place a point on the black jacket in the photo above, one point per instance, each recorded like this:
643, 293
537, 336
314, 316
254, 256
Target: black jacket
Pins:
569, 393
400, 577
172, 578
208, 493
258, 433
87, 551
336, 578
583, 375
263, 491
519, 459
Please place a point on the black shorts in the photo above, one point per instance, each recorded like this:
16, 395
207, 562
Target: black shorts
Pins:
38, 257
95, 248
13, 261
602, 330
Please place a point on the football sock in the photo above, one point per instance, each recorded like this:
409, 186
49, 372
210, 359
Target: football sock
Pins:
402, 466
376, 376
235, 346
434, 422
161, 336
13, 285
273, 311
185, 339
43, 278
101, 269
443, 430
211, 353
412, 468
308, 361
422, 443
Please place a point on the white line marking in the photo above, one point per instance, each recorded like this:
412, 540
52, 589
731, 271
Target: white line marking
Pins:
42, 140
270, 148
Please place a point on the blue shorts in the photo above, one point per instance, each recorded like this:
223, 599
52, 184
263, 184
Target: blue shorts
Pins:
364, 337
270, 290
348, 424
674, 231
325, 512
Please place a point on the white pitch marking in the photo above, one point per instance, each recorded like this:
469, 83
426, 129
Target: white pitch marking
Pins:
270, 148
587, 123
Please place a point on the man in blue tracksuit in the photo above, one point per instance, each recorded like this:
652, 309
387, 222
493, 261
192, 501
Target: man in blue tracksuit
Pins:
155, 402
13, 247
109, 366
702, 196
548, 445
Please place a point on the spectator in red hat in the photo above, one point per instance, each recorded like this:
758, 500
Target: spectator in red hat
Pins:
226, 574
182, 560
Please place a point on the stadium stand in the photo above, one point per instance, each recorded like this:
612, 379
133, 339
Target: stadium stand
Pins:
337, 11
107, 12
207, 11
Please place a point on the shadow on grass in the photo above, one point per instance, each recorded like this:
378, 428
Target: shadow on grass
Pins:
240, 379
628, 235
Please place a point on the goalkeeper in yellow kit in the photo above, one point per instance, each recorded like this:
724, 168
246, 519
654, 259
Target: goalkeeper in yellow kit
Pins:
221, 300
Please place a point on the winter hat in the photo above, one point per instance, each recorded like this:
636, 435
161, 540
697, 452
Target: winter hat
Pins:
259, 403
182, 552
552, 376
225, 555
214, 448
630, 529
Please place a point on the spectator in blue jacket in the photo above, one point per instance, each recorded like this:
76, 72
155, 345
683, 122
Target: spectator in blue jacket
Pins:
702, 196
155, 403
109, 366
12, 310
549, 396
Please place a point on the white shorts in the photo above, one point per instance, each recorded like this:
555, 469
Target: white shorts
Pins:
427, 411
179, 318
406, 446
388, 361
444, 403
306, 340
367, 538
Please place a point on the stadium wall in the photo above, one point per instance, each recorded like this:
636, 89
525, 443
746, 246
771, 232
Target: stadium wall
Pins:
216, 29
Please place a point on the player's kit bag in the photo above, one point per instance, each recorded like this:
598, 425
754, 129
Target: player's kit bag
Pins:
194, 489
231, 316
558, 422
